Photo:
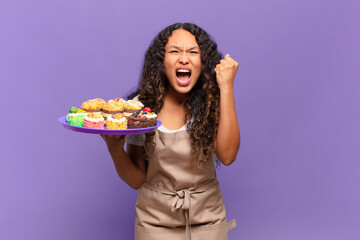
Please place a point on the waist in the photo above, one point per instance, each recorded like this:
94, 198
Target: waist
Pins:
181, 199
172, 190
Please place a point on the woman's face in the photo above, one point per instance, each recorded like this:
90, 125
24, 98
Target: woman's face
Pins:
182, 61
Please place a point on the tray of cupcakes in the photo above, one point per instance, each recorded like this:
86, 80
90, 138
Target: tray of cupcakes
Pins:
115, 117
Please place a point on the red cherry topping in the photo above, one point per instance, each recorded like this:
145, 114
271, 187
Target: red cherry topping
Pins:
147, 110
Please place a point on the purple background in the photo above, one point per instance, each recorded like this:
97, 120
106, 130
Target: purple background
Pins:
297, 94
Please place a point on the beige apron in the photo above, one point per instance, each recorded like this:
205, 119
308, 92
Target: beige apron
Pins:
174, 202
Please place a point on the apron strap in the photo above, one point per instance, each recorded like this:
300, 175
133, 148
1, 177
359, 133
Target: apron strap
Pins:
182, 200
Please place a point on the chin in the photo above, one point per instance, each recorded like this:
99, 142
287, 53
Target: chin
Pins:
182, 89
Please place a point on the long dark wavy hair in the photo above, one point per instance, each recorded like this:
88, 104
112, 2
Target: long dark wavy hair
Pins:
203, 103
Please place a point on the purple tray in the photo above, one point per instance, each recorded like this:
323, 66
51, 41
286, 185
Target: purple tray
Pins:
105, 131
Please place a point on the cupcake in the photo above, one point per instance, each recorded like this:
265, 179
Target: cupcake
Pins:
93, 105
76, 117
116, 121
112, 107
94, 120
120, 101
132, 106
142, 119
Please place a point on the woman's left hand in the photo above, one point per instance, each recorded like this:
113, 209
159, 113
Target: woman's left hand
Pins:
225, 72
228, 136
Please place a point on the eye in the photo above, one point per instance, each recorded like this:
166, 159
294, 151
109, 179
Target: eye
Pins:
174, 51
194, 52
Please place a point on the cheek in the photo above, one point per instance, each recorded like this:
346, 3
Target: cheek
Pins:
168, 65
198, 66
197, 62
167, 69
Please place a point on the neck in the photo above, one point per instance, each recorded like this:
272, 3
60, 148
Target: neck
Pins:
175, 97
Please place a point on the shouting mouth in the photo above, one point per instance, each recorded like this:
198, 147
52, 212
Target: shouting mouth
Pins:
183, 75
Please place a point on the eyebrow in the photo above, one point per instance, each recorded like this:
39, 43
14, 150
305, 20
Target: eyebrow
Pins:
179, 48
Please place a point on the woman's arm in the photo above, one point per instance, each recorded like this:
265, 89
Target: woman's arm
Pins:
227, 141
130, 165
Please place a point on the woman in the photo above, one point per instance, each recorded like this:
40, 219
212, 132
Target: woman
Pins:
187, 83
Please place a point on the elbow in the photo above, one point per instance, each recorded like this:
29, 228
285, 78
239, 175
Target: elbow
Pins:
227, 162
134, 183
228, 157
136, 187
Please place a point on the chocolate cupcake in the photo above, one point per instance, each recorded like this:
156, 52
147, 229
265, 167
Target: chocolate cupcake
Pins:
142, 119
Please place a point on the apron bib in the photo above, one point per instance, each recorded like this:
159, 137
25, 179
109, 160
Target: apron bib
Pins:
176, 202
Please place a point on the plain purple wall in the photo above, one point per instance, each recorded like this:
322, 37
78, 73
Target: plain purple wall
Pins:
296, 176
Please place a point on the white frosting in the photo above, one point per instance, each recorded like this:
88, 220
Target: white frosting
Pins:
151, 116
74, 115
123, 119
136, 104
94, 119
127, 114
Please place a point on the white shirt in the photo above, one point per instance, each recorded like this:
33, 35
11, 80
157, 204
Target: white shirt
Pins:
139, 139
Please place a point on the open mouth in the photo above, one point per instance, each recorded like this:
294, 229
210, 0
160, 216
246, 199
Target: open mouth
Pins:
183, 76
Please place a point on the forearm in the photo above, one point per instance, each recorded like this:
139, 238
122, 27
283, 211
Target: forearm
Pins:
228, 136
128, 171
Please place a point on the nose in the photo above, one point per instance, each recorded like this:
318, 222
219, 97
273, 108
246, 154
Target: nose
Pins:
184, 58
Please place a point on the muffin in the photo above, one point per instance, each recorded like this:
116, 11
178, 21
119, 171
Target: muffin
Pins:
94, 120
132, 106
112, 107
142, 119
76, 117
116, 121
93, 105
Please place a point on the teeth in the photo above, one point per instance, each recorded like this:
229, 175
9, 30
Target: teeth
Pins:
183, 70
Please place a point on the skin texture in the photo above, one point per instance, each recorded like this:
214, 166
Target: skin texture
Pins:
182, 50
227, 142
202, 104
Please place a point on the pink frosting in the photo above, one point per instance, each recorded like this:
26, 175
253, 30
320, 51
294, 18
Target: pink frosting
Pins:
93, 124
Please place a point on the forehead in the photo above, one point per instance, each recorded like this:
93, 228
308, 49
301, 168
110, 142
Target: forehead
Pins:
182, 38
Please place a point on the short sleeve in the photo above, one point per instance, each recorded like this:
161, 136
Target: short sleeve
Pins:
138, 139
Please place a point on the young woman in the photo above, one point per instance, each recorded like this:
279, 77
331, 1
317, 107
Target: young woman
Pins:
187, 83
